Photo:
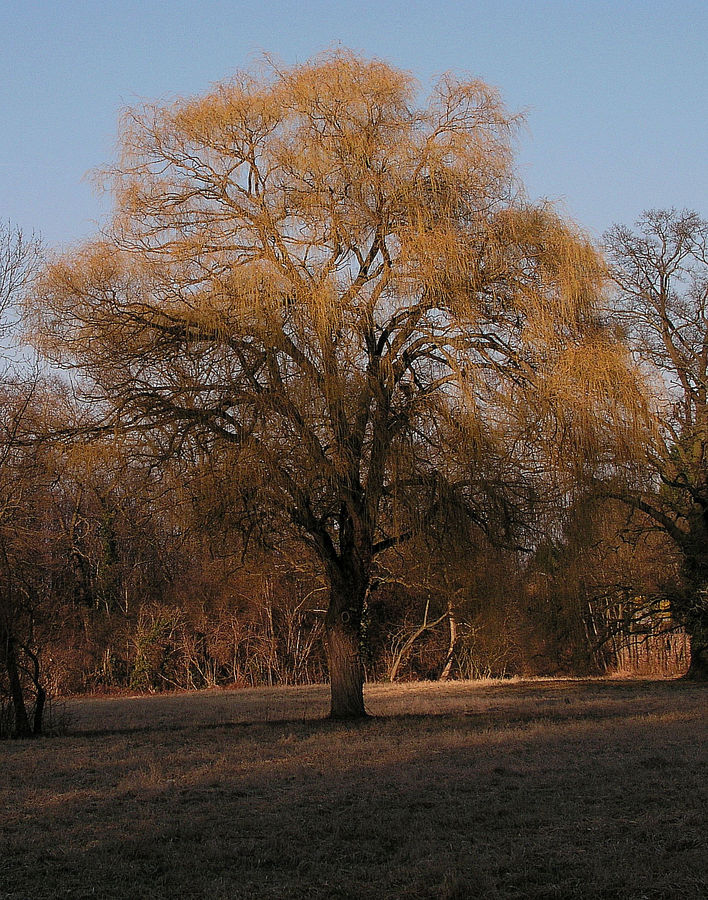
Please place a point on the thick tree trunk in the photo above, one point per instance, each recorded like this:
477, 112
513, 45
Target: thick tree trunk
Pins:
22, 727
692, 607
698, 634
343, 644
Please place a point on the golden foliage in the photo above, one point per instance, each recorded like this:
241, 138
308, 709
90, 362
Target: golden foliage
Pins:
347, 286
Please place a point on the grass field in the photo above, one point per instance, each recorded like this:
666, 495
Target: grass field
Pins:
516, 789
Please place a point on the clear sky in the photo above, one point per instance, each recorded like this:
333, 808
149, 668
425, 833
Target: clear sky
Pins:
614, 90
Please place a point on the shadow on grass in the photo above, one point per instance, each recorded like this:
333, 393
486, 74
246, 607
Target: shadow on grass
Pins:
410, 806
500, 705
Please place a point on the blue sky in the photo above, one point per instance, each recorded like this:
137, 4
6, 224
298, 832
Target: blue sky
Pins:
614, 90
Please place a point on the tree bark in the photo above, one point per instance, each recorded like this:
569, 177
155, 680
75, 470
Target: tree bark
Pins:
343, 645
38, 721
698, 635
692, 607
41, 696
447, 668
22, 727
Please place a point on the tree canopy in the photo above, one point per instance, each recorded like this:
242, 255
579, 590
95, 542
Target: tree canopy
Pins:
346, 288
661, 273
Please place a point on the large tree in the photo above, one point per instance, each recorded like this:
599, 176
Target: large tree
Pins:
661, 273
349, 289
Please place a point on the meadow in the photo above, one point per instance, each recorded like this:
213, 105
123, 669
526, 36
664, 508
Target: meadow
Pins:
512, 789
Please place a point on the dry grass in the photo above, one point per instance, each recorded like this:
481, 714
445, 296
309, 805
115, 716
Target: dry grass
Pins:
497, 790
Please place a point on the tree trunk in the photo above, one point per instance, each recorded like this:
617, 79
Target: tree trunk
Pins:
698, 668
693, 607
38, 722
41, 695
22, 727
447, 668
343, 645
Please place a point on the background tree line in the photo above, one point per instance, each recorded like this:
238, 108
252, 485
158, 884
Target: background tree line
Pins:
347, 404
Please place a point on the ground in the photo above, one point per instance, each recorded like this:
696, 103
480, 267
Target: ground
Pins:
553, 789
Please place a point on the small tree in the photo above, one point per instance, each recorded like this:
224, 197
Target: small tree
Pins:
23, 565
19, 261
340, 284
661, 274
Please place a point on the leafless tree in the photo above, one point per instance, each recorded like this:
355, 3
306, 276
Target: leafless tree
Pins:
661, 273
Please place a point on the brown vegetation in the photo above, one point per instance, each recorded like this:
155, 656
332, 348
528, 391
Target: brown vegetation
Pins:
661, 273
345, 405
573, 789
344, 298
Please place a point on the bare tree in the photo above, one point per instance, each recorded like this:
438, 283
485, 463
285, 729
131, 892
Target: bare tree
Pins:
20, 258
341, 285
661, 274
